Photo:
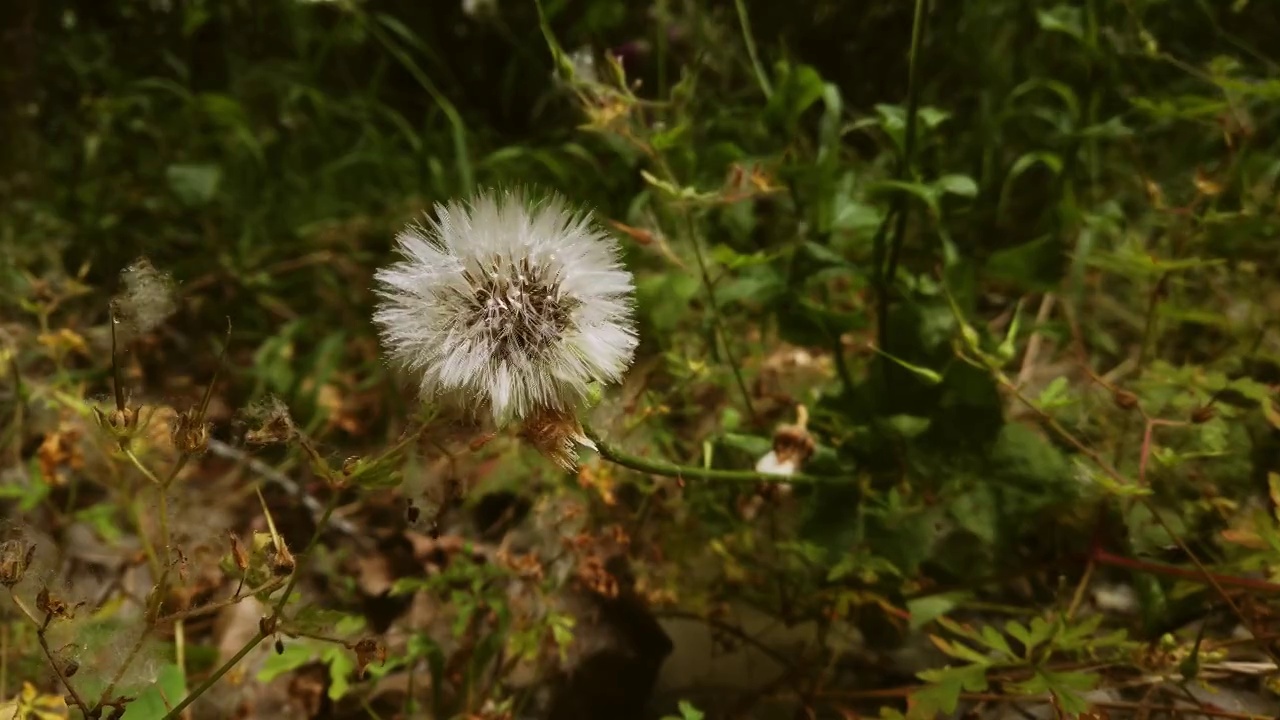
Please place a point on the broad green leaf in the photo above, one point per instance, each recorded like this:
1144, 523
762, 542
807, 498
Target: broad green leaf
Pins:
195, 185
155, 702
961, 185
1067, 19
1038, 265
295, 655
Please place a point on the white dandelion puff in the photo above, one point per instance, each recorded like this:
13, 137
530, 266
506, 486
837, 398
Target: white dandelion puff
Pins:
508, 305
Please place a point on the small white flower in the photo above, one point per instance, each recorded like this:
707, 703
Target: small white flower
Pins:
508, 305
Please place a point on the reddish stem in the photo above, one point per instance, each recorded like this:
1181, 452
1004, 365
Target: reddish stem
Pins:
1103, 557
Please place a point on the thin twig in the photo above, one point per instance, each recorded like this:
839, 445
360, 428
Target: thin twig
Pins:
686, 472
284, 482
717, 322
48, 653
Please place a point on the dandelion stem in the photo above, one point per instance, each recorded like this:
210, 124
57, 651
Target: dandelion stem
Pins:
686, 472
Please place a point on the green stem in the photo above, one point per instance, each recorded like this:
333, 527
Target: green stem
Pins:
276, 612
215, 677
306, 552
761, 76
686, 472
909, 136
135, 512
141, 468
717, 323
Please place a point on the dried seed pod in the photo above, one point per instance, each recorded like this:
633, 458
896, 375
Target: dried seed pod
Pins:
556, 434
120, 423
368, 650
238, 554
1124, 399
274, 425
189, 432
281, 560
1203, 414
15, 559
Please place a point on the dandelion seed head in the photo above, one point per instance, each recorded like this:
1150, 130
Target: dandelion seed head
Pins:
507, 304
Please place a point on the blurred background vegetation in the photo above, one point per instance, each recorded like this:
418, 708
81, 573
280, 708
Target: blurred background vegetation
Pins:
1017, 259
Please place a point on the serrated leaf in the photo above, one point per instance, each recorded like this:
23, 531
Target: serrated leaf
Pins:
959, 650
995, 640
942, 694
931, 607
341, 666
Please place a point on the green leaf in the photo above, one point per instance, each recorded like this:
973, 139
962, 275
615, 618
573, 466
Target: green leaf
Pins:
798, 88
1065, 19
931, 607
155, 702
195, 185
341, 666
103, 519
927, 194
1069, 687
961, 185
1147, 534
942, 694
995, 640
909, 426
976, 511
687, 712
1055, 394
1038, 265
295, 655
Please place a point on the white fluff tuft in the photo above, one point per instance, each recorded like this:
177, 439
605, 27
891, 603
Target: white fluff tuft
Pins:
507, 305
